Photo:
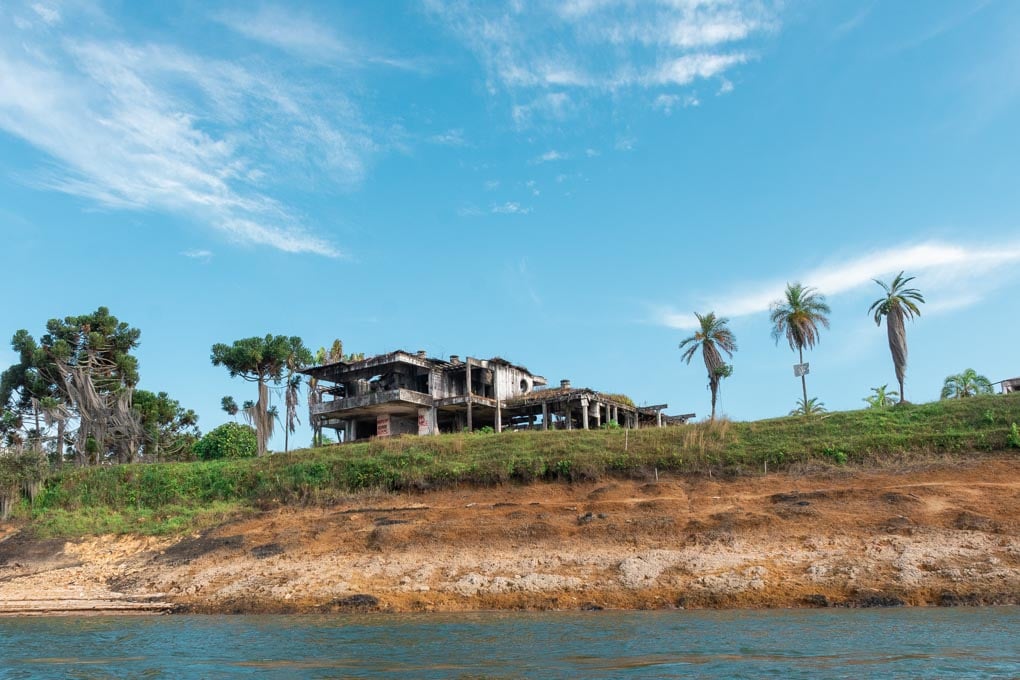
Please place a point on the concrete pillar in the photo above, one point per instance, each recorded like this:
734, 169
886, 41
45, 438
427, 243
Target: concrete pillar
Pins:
467, 391
615, 414
584, 413
598, 415
495, 395
658, 419
545, 415
566, 412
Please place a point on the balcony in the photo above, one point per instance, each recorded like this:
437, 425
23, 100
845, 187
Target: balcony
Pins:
367, 401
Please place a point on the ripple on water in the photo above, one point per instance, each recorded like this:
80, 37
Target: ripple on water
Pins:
784, 643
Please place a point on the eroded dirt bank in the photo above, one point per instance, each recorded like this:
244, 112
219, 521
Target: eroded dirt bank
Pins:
939, 535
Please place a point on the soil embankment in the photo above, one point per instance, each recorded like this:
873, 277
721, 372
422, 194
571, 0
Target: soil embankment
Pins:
936, 535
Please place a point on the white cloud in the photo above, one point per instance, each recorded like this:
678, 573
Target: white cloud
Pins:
533, 186
149, 127
550, 156
198, 254
308, 37
491, 184
602, 46
469, 211
510, 208
667, 102
50, 15
449, 138
591, 153
939, 267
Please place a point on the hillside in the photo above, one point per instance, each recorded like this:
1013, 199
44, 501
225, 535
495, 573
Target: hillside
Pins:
914, 505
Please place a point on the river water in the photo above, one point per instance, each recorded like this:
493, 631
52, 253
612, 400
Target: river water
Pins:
887, 643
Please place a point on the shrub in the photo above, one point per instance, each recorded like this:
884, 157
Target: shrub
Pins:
230, 440
1013, 438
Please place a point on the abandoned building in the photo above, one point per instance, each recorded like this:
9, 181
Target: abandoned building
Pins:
404, 393
1010, 386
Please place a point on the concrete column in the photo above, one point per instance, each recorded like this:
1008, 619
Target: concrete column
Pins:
615, 414
545, 415
658, 419
584, 413
566, 411
467, 391
598, 415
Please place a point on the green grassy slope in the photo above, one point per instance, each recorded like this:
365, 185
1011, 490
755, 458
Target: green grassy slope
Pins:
171, 497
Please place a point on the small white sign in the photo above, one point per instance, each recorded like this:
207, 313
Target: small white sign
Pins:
800, 370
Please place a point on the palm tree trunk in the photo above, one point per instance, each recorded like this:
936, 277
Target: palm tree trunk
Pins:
803, 379
714, 385
898, 346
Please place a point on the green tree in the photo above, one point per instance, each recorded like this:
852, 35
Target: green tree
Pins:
966, 384
881, 397
78, 357
898, 304
228, 404
797, 317
712, 336
170, 430
811, 407
262, 361
230, 440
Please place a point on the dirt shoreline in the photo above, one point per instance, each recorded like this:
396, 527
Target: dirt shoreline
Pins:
943, 534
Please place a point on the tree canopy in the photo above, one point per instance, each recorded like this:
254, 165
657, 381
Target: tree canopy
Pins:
897, 305
262, 360
712, 335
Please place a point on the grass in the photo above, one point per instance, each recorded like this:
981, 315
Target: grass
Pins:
173, 497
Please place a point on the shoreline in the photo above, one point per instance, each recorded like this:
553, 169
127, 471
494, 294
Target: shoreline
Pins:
942, 534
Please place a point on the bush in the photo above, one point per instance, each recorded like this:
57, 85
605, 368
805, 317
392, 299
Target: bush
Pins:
1013, 438
230, 440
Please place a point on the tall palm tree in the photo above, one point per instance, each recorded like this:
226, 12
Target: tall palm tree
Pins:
712, 336
966, 384
898, 304
797, 317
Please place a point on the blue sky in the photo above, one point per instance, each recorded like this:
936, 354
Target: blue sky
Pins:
559, 184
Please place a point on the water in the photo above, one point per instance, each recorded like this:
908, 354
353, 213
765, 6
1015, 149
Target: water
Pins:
890, 643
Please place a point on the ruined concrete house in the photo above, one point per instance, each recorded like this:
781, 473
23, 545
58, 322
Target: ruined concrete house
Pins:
1011, 385
404, 393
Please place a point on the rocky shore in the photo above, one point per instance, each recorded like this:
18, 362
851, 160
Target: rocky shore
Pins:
941, 534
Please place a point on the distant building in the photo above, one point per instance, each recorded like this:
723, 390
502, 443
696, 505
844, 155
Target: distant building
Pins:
405, 393
1011, 385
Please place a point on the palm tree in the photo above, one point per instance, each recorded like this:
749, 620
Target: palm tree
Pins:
966, 384
797, 318
898, 304
712, 336
811, 407
882, 397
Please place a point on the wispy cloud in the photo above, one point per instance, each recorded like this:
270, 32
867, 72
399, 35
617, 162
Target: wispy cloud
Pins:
308, 37
449, 138
153, 127
198, 254
51, 15
940, 268
667, 102
550, 156
538, 50
509, 208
